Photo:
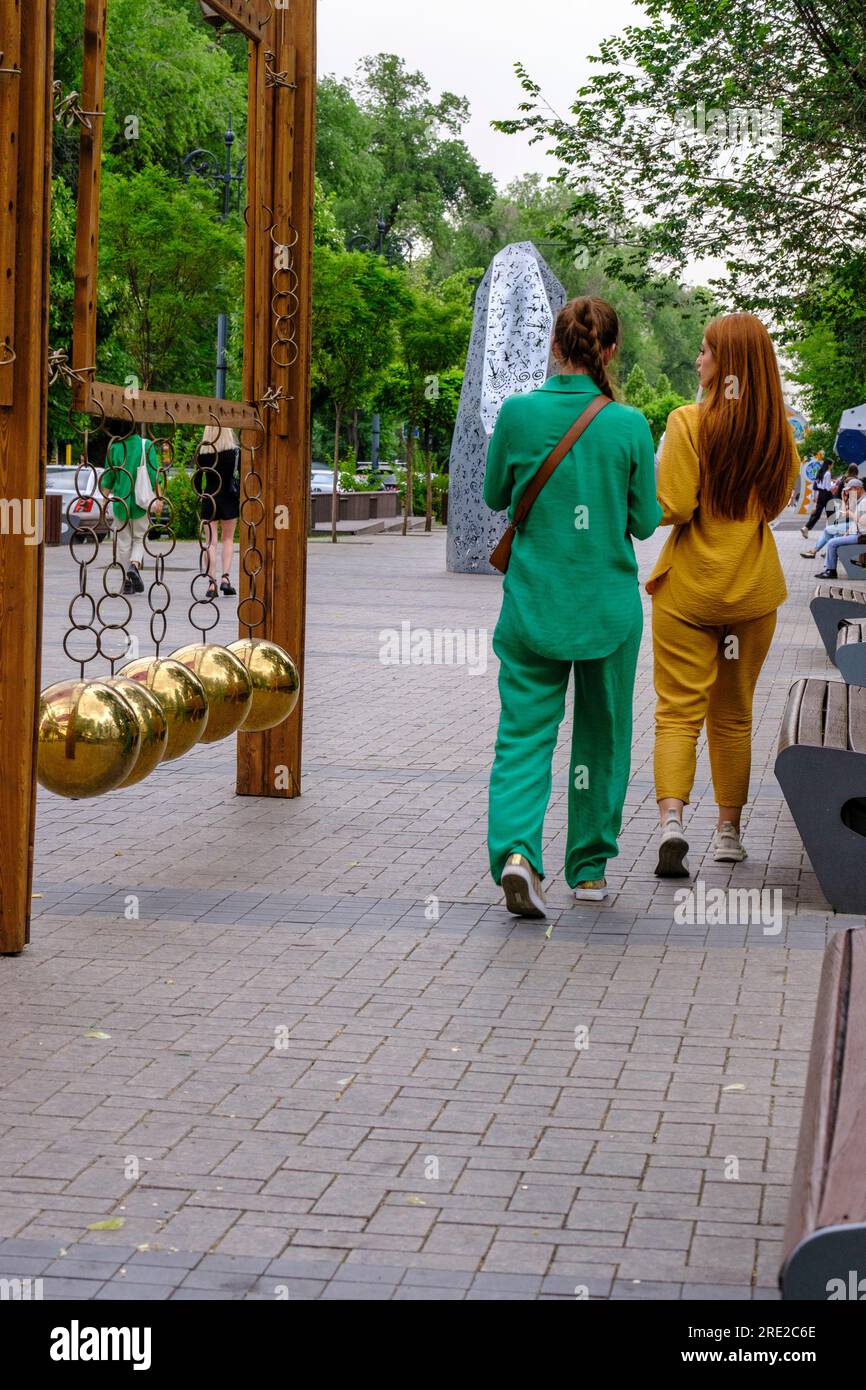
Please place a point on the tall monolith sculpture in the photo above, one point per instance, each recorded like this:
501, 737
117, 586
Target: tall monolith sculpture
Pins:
509, 351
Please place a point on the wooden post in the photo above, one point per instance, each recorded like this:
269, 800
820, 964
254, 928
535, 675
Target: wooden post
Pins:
23, 422
282, 119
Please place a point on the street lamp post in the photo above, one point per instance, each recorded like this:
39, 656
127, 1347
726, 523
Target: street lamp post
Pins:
386, 244
203, 164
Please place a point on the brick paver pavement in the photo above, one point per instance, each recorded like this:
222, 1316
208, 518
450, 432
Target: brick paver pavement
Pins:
286, 1078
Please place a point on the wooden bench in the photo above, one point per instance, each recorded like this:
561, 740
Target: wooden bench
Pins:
821, 768
831, 605
824, 1250
851, 652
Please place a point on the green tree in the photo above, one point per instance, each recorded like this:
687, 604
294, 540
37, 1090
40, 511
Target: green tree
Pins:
385, 146
828, 345
171, 268
358, 301
637, 389
433, 336
732, 129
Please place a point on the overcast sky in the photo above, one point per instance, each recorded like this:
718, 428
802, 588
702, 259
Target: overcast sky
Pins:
469, 47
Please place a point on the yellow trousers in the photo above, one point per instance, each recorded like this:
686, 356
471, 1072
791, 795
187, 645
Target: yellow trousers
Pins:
705, 674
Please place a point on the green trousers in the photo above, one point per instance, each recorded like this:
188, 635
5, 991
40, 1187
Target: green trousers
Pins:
532, 692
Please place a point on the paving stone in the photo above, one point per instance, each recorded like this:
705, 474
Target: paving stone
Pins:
407, 1039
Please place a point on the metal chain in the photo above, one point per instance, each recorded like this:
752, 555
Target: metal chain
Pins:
207, 495
285, 304
160, 532
113, 611
252, 610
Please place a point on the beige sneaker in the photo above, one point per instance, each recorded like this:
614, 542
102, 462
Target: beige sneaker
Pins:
728, 848
673, 848
592, 890
524, 895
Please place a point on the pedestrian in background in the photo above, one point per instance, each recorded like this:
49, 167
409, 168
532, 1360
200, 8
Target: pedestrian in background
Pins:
217, 482
131, 479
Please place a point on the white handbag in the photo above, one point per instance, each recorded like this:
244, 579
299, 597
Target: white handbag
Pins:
144, 489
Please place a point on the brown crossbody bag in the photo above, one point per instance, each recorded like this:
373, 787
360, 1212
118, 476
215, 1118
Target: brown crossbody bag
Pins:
501, 556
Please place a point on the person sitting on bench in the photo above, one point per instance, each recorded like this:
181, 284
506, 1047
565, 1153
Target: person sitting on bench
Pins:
852, 494
836, 544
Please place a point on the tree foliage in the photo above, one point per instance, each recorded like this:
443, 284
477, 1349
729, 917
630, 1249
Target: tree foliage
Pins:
731, 128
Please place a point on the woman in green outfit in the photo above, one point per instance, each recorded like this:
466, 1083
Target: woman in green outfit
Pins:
570, 602
130, 521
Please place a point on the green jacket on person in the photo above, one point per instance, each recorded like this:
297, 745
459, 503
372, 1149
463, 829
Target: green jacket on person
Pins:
571, 592
121, 467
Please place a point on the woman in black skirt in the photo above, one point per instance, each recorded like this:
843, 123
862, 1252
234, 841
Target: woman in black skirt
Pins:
217, 483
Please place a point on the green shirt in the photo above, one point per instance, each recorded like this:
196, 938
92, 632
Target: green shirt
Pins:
571, 591
121, 467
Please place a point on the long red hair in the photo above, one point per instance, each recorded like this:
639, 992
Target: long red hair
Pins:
745, 439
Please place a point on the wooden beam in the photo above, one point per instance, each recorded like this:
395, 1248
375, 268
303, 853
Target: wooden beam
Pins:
89, 179
10, 92
284, 198
118, 402
22, 453
251, 17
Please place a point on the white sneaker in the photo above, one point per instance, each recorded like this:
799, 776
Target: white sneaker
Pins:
524, 895
592, 890
728, 848
673, 848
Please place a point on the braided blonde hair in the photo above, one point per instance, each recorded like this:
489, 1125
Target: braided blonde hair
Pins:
585, 328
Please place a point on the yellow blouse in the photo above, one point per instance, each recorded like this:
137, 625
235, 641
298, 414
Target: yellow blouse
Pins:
720, 571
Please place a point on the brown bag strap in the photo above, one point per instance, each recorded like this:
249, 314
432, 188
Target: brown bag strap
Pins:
552, 462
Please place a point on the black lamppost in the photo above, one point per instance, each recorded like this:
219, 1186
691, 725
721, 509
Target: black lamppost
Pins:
391, 248
205, 165
202, 164
387, 244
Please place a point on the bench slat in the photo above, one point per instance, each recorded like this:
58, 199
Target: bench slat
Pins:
810, 726
850, 634
844, 1197
816, 1124
791, 716
836, 717
857, 718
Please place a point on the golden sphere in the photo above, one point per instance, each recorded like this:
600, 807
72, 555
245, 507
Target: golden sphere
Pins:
227, 685
152, 727
275, 679
88, 739
181, 696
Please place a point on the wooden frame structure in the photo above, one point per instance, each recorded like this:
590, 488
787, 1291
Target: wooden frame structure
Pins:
276, 405
26, 45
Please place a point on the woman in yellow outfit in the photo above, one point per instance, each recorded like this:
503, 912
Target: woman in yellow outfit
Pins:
726, 471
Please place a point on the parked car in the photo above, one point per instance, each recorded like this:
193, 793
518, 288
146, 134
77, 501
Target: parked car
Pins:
81, 506
322, 480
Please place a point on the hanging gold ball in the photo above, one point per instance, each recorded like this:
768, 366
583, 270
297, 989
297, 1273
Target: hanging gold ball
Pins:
182, 697
88, 739
152, 727
227, 685
275, 679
